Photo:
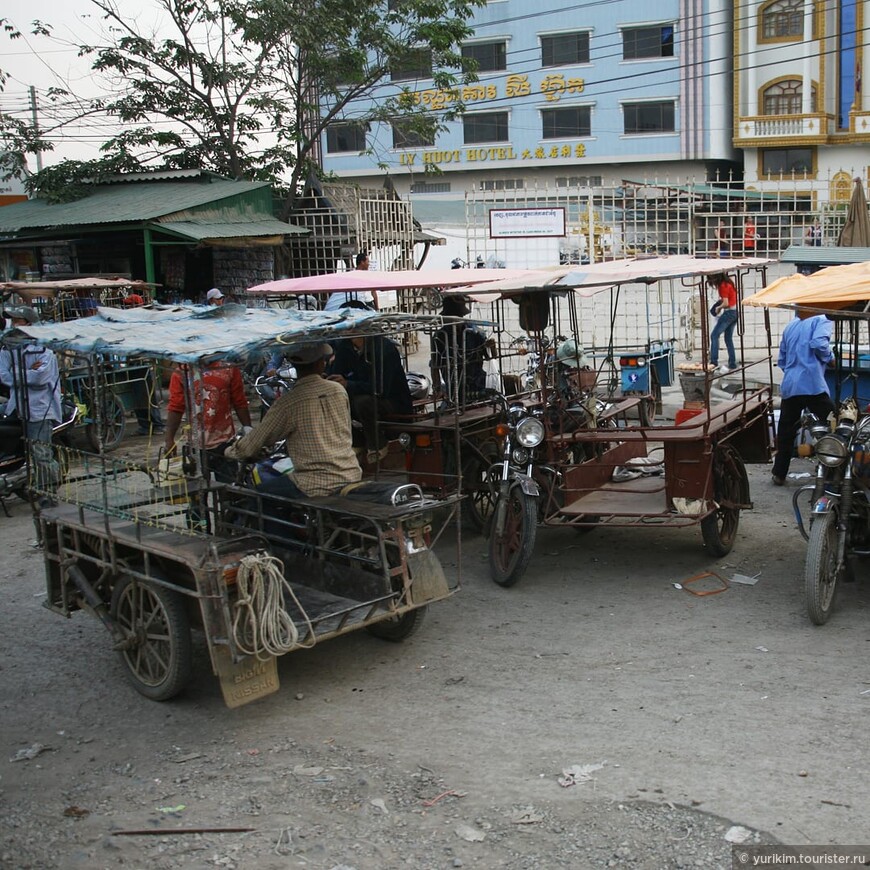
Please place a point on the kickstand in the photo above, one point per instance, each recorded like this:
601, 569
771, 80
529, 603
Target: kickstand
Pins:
5, 509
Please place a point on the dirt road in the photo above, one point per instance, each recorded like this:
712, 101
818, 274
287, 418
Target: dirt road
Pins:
693, 714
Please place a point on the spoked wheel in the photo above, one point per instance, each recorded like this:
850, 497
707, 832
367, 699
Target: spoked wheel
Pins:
113, 422
647, 411
730, 483
476, 482
153, 619
821, 572
510, 552
400, 627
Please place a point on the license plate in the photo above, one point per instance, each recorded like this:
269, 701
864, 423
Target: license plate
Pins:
247, 680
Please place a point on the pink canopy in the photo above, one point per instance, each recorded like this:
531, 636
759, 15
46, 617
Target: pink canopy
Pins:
361, 279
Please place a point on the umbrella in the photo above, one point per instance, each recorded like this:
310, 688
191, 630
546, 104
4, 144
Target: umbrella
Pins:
856, 230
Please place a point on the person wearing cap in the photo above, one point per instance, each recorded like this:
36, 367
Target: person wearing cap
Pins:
32, 376
342, 298
458, 354
314, 420
214, 297
218, 393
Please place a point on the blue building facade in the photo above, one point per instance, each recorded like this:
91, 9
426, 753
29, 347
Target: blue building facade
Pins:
592, 92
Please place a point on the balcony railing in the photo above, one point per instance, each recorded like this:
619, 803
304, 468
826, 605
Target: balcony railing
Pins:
778, 126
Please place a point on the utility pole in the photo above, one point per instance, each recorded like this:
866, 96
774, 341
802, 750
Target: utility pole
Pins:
35, 125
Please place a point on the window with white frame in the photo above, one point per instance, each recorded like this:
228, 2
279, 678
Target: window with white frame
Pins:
344, 138
565, 49
416, 64
481, 127
490, 56
649, 117
567, 122
641, 43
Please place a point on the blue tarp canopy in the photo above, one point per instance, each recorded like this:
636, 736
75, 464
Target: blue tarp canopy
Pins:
198, 334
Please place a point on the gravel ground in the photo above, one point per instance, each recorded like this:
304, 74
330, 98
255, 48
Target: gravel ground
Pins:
446, 751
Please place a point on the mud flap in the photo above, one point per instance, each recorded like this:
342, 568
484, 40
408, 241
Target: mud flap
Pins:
428, 581
248, 680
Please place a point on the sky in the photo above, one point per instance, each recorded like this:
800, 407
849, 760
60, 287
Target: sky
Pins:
42, 63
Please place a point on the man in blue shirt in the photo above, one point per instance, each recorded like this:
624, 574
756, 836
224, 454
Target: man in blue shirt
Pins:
804, 352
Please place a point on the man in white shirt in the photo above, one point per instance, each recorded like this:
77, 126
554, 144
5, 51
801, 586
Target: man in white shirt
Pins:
341, 298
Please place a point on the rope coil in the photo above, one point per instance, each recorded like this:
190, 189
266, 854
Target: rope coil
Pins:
262, 625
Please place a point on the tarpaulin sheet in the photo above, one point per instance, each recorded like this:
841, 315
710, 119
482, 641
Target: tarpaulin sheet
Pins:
595, 277
196, 333
833, 287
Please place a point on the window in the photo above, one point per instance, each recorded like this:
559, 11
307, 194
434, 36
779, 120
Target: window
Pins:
406, 138
430, 187
785, 161
503, 184
416, 64
649, 117
785, 98
490, 56
566, 123
639, 43
782, 19
345, 137
485, 127
565, 49
578, 181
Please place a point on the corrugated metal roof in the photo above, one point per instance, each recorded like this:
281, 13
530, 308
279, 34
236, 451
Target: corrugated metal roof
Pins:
122, 203
824, 256
200, 230
159, 175
709, 190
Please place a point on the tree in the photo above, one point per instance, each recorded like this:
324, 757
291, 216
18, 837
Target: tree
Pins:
247, 88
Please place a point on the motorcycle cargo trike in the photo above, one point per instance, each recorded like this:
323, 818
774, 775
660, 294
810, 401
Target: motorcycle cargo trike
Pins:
155, 551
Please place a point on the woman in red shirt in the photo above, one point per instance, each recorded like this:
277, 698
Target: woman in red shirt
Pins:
726, 313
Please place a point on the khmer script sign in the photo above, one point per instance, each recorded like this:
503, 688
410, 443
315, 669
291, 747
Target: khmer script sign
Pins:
526, 223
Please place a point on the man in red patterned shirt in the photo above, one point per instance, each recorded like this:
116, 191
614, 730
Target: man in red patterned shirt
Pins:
217, 393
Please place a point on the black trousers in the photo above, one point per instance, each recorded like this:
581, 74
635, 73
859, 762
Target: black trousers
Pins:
790, 413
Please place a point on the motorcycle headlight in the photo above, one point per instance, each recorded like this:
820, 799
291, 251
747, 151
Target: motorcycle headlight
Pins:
404, 440
831, 451
530, 432
520, 455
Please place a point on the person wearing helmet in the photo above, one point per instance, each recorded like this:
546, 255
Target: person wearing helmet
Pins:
458, 354
31, 374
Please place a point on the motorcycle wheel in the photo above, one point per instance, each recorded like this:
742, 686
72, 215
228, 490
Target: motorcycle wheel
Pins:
154, 620
400, 627
820, 572
476, 483
114, 424
510, 552
719, 530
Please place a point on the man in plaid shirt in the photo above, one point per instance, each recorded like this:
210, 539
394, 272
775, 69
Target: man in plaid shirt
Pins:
314, 418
